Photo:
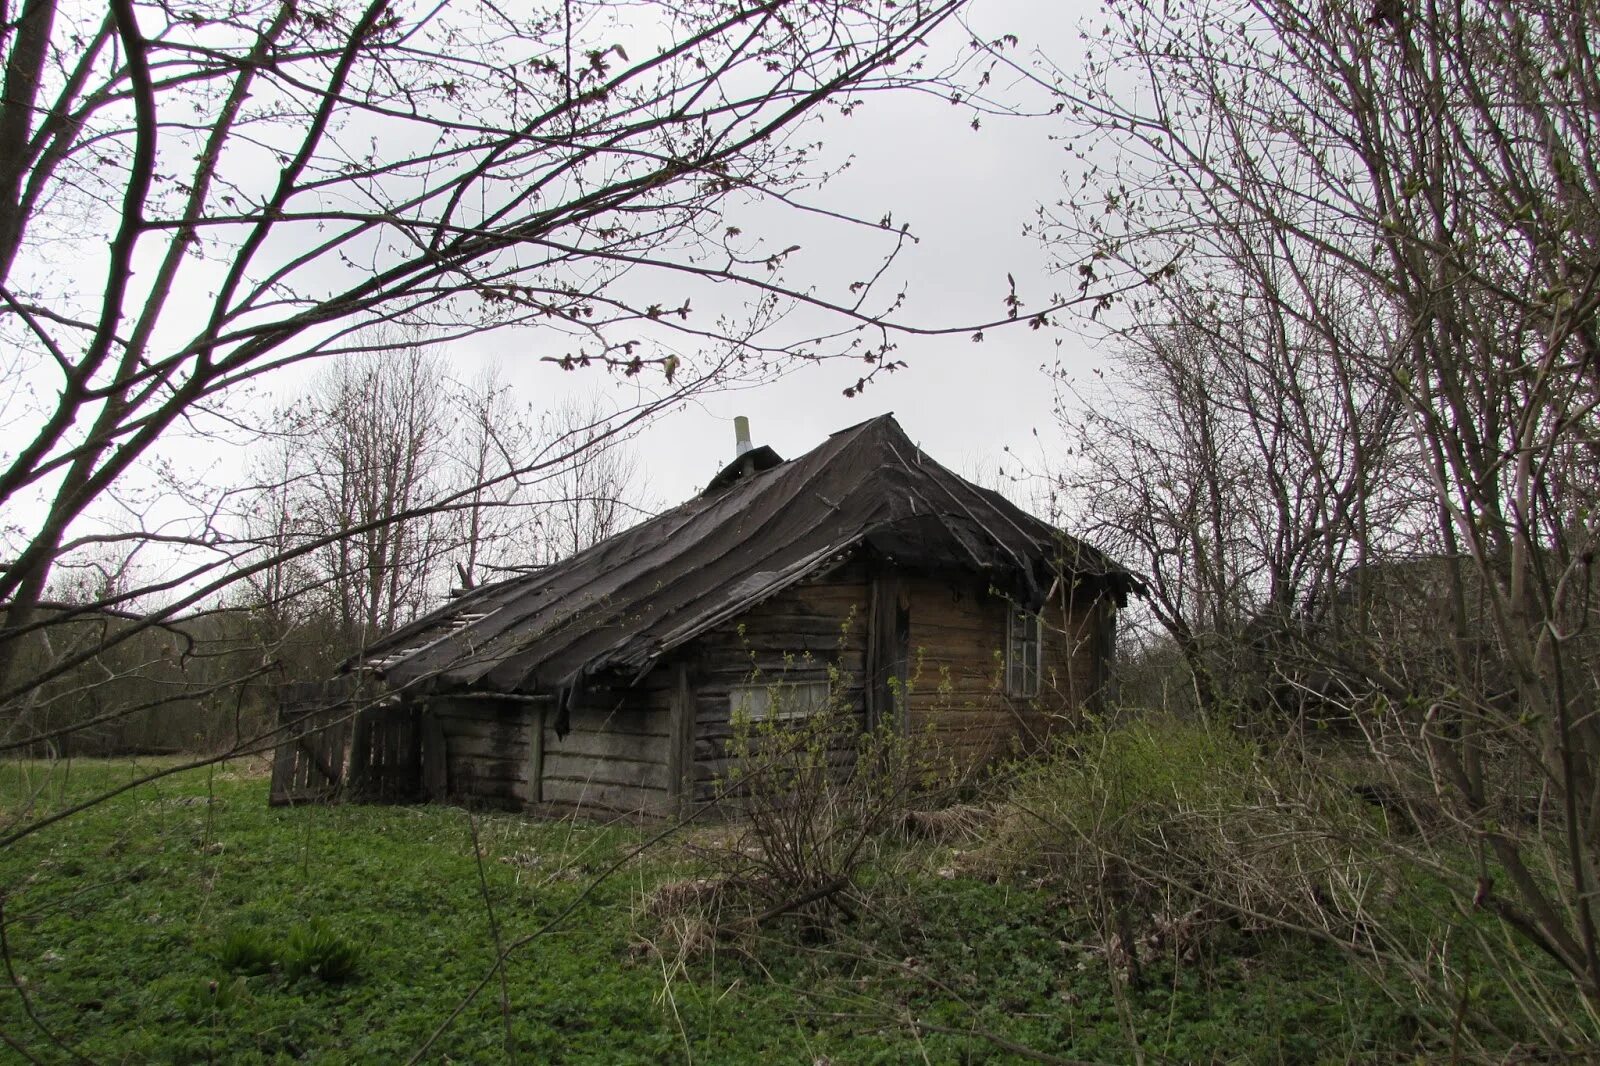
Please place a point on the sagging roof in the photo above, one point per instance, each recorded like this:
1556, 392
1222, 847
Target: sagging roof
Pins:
625, 602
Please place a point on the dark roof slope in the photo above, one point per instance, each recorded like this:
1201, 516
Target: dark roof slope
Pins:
637, 595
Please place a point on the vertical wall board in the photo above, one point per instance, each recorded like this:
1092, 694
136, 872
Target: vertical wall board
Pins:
360, 751
309, 763
680, 733
282, 768
888, 652
435, 758
536, 717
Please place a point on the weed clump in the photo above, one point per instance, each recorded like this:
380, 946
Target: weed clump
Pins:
313, 949
310, 949
246, 950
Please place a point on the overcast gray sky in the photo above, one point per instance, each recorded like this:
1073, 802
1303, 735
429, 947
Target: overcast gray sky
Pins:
967, 195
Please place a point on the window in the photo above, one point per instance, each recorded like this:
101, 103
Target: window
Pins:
778, 700
1022, 653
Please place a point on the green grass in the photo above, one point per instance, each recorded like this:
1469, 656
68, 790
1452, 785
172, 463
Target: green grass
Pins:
185, 921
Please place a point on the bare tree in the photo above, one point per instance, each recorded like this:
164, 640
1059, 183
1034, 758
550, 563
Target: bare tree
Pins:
375, 456
593, 495
1441, 161
493, 445
285, 177
1242, 452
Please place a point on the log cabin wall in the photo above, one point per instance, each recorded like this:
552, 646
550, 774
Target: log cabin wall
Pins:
615, 755
489, 745
624, 746
814, 631
956, 693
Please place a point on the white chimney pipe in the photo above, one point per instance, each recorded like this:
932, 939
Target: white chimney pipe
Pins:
741, 432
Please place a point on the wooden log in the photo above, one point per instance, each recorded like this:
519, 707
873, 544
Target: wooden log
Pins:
635, 721
611, 772
601, 746
497, 746
607, 797
466, 776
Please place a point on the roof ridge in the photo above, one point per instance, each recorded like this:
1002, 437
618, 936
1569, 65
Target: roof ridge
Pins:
889, 415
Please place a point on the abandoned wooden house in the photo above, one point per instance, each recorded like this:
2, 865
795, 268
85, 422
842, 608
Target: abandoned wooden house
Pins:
862, 575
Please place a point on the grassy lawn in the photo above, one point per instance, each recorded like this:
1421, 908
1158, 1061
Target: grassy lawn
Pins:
124, 924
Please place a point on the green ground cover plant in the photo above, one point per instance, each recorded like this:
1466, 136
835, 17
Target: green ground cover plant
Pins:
185, 921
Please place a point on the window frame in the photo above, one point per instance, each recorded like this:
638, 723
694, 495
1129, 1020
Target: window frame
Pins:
1024, 640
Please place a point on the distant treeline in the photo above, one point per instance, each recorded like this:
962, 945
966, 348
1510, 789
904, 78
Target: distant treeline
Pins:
197, 684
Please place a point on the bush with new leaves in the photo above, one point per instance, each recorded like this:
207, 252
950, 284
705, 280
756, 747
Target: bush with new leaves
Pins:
813, 791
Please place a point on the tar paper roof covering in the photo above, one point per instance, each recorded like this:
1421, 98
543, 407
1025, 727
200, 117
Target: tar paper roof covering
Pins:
628, 600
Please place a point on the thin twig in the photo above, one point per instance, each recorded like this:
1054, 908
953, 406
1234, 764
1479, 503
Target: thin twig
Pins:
494, 932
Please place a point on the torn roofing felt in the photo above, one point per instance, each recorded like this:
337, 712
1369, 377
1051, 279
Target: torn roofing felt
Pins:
623, 603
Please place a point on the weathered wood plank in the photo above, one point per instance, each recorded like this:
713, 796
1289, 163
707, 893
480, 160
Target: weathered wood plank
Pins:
282, 791
503, 746
535, 788
559, 766
631, 720
640, 747
617, 798
435, 759
681, 731
465, 774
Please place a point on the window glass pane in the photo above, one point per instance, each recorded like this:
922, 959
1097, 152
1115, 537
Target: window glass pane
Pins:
778, 700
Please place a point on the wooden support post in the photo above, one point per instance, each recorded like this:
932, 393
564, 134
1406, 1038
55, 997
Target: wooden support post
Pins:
536, 752
680, 739
888, 653
1105, 621
435, 763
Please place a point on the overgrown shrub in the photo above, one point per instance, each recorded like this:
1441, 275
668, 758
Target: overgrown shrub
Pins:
1166, 815
1171, 830
814, 792
810, 794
